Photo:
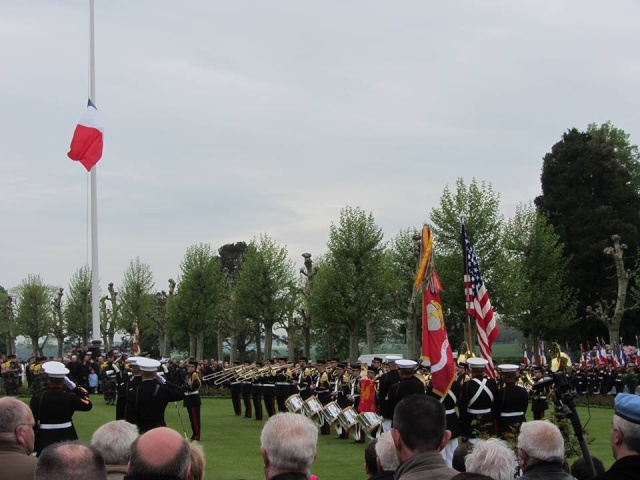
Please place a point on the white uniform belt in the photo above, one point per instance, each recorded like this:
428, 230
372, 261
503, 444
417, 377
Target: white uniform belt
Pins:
449, 412
511, 414
542, 398
191, 393
479, 412
55, 426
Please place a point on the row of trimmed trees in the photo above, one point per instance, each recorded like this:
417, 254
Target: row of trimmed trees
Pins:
569, 260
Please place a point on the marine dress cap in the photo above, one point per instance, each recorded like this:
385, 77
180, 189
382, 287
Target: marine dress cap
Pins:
508, 367
55, 369
148, 364
406, 364
475, 362
627, 406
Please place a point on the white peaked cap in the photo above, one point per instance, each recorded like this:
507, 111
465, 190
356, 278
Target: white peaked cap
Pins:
406, 364
55, 369
148, 364
475, 362
508, 367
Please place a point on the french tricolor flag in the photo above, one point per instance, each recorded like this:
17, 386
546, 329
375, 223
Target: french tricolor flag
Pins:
86, 144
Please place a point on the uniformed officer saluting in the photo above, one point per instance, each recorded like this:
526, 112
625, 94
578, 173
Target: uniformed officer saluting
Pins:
146, 402
54, 405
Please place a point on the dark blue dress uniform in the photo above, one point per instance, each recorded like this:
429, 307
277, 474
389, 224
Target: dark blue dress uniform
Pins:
53, 408
147, 402
476, 406
510, 408
192, 401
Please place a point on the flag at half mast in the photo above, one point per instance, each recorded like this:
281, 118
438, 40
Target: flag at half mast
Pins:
478, 304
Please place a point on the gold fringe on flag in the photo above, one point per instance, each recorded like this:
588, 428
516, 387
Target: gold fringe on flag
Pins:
425, 255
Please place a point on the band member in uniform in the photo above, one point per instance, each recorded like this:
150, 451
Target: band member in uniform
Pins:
476, 402
321, 387
53, 407
269, 389
407, 385
511, 402
355, 376
385, 382
147, 402
256, 392
192, 398
303, 379
122, 370
340, 391
108, 378
246, 390
10, 375
283, 375
449, 403
538, 394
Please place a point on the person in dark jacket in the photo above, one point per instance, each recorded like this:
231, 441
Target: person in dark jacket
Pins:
625, 439
541, 452
408, 385
16, 440
53, 407
147, 402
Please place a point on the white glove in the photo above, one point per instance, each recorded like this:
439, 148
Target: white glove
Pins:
160, 378
69, 383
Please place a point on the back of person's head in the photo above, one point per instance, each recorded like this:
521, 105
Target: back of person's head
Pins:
70, 461
16, 423
386, 452
160, 452
541, 441
371, 458
420, 420
197, 461
114, 440
460, 455
492, 457
581, 472
471, 476
290, 442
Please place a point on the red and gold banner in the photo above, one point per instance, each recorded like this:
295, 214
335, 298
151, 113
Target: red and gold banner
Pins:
367, 396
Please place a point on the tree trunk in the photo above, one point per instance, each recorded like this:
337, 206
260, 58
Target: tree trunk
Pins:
268, 339
233, 351
220, 345
307, 340
60, 346
192, 344
199, 345
353, 344
370, 339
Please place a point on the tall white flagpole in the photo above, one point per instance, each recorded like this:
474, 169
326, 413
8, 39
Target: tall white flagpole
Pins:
95, 272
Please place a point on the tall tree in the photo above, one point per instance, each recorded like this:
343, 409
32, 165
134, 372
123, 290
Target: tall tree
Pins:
478, 206
264, 287
195, 306
351, 288
33, 310
77, 311
136, 297
544, 304
7, 321
305, 289
590, 191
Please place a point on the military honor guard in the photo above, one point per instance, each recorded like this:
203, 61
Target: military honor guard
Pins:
476, 402
192, 399
408, 384
146, 403
54, 405
512, 401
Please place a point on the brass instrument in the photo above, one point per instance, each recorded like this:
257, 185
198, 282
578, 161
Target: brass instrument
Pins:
223, 372
558, 358
464, 353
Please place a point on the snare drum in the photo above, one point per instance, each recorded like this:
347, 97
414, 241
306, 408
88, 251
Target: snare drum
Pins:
312, 408
331, 412
294, 403
370, 423
348, 419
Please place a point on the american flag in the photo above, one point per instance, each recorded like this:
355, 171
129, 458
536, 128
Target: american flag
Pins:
478, 304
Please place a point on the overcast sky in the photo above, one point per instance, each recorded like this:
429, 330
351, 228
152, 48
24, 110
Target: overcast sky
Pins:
227, 119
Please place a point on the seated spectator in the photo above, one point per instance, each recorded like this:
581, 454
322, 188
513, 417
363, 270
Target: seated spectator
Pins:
288, 446
70, 461
386, 457
197, 461
160, 452
114, 440
371, 466
541, 451
492, 457
580, 470
460, 455
625, 439
419, 434
16, 440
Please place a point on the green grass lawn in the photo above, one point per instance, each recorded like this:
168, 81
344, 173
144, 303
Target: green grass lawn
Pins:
232, 444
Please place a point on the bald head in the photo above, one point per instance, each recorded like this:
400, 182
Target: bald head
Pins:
161, 451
